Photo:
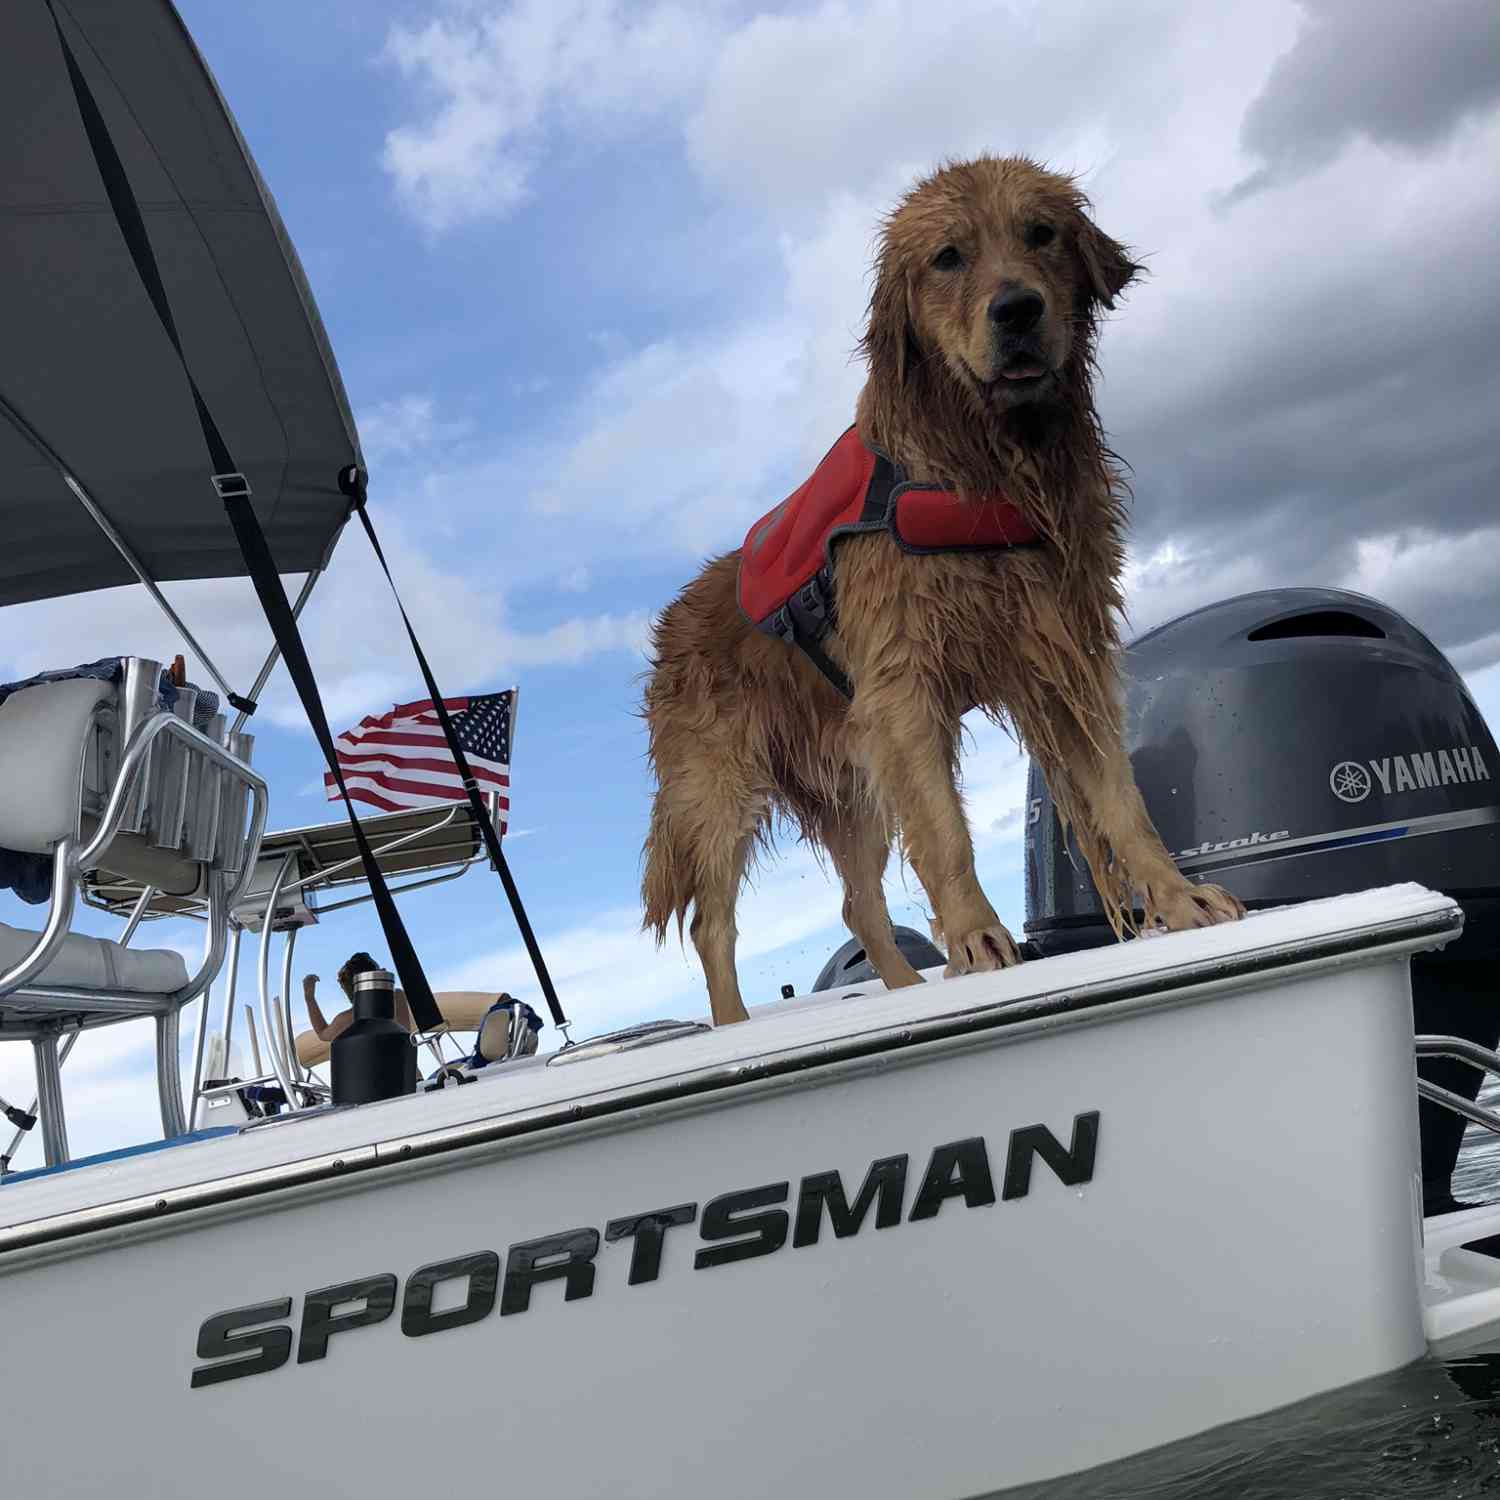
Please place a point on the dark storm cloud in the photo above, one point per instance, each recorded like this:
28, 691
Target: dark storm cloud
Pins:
1356, 405
1290, 493
1397, 72
1353, 430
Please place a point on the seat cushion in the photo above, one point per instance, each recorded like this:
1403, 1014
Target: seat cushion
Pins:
90, 963
41, 746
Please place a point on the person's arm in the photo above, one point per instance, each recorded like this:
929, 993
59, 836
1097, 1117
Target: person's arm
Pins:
313, 1046
314, 1013
325, 1031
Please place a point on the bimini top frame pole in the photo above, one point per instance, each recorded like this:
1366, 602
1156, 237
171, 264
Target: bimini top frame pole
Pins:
274, 654
246, 704
122, 546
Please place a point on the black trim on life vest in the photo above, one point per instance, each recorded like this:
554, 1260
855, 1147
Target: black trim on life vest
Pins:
805, 621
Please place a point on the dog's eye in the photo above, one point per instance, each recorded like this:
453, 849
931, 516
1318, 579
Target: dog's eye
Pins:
947, 259
1038, 235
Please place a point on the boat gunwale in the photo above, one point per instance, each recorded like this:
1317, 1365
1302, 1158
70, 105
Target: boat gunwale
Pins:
1010, 1019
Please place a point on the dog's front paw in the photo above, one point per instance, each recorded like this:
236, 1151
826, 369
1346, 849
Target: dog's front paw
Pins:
1195, 906
981, 950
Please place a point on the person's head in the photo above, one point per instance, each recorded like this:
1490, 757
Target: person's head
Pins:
359, 963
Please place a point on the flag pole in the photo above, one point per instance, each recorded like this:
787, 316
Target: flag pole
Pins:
492, 799
513, 894
515, 714
352, 481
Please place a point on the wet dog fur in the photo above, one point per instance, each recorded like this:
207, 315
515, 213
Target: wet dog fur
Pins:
989, 285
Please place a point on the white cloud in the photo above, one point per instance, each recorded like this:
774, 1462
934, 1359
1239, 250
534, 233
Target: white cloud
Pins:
843, 97
1337, 82
495, 76
109, 1091
700, 430
1179, 576
785, 108
1483, 651
353, 633
1315, 267
714, 424
994, 772
1484, 684
610, 974
404, 427
1455, 578
1407, 565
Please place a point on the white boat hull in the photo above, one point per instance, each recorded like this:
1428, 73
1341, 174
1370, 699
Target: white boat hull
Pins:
1245, 1235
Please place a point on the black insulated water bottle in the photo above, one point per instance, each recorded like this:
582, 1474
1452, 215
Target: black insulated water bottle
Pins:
374, 1058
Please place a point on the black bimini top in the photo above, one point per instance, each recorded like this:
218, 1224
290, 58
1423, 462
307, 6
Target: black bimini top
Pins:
87, 370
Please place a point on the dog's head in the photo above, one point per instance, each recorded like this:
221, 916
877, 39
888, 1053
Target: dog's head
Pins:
990, 276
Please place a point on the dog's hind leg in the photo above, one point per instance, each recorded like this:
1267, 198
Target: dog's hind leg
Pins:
721, 871
858, 842
711, 801
703, 825
696, 855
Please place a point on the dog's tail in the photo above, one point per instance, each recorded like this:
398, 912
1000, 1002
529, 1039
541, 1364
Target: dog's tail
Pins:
666, 884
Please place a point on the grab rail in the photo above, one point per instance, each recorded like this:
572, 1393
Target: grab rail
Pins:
1459, 1049
72, 855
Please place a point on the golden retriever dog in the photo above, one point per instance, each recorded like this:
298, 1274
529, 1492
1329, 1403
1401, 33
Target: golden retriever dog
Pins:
989, 284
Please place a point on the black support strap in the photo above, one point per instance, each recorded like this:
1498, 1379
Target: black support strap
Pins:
234, 490
352, 482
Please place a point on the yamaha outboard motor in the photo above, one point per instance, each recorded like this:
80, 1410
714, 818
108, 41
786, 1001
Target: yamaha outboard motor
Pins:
1301, 743
851, 965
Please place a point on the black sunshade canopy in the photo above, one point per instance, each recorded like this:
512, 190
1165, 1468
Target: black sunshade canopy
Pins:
84, 359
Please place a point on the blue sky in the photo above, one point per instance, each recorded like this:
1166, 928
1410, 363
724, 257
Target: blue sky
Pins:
593, 274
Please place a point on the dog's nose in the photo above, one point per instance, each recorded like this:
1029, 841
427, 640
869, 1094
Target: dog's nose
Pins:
1016, 309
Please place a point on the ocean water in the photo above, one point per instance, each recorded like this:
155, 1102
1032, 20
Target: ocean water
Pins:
1430, 1430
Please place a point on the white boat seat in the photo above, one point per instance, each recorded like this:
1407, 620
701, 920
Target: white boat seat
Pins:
91, 963
107, 770
40, 726
41, 732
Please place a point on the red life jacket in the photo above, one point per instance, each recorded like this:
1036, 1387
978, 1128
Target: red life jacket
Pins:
786, 564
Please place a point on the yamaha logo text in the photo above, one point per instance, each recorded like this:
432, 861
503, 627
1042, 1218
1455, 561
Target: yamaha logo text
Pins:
1354, 780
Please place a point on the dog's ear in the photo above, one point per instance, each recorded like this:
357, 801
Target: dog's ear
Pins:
890, 341
1106, 262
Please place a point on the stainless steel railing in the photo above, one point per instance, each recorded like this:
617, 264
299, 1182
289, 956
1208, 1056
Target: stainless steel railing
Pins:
1460, 1050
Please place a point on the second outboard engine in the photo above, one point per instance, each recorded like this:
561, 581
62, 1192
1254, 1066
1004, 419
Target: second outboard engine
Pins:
1302, 743
851, 965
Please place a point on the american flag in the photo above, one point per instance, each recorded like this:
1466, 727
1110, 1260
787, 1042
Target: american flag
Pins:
401, 759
